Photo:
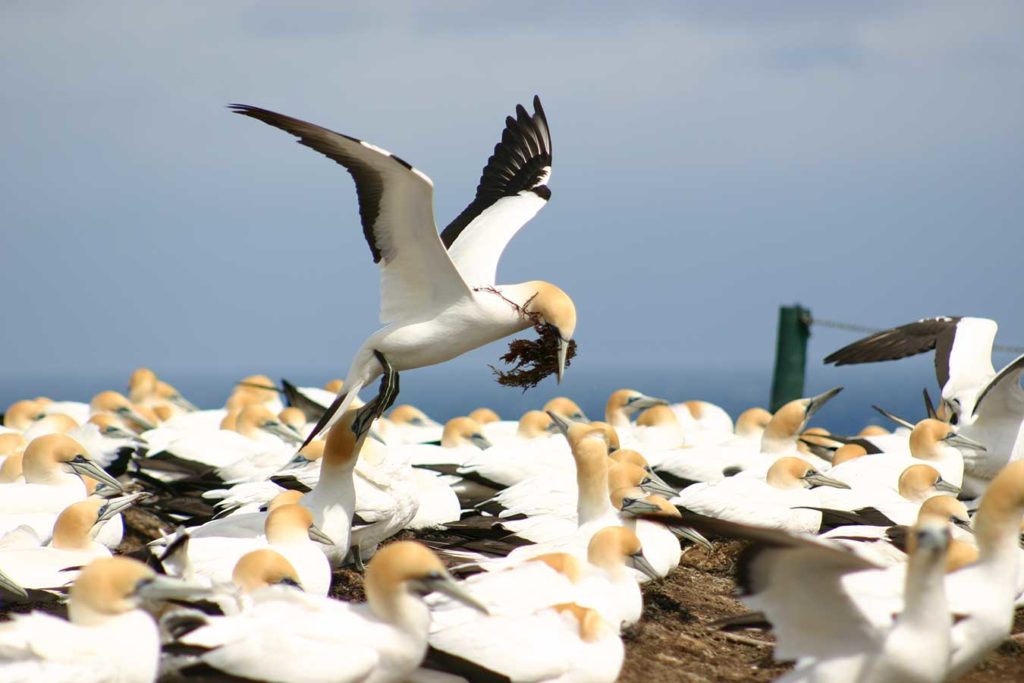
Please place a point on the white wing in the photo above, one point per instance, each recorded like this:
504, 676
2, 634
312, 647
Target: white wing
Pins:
396, 205
513, 188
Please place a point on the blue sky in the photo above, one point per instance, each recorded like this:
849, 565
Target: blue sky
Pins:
712, 161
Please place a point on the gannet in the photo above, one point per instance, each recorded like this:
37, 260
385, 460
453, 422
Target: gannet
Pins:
779, 500
72, 545
332, 500
986, 405
439, 303
683, 466
566, 643
291, 637
53, 466
932, 442
603, 580
287, 529
21, 414
113, 402
108, 637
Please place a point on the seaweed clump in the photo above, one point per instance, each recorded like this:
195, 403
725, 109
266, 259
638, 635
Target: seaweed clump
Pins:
533, 359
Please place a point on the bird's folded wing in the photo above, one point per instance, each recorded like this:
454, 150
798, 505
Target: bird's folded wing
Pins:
513, 188
397, 213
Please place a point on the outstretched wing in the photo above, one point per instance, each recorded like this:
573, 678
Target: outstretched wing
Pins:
397, 211
900, 342
513, 188
1006, 386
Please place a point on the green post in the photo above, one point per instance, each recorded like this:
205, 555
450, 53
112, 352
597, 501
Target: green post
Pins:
790, 355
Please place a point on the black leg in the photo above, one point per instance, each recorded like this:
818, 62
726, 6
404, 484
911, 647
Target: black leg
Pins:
385, 398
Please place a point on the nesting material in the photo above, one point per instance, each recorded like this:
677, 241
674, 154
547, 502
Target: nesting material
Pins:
532, 360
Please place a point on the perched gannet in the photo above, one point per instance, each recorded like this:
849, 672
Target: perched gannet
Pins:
21, 414
113, 402
461, 438
885, 545
381, 641
683, 466
108, 638
53, 466
484, 415
439, 303
603, 581
625, 403
704, 422
566, 643
932, 442
332, 500
56, 423
777, 500
72, 545
565, 408
287, 529
409, 424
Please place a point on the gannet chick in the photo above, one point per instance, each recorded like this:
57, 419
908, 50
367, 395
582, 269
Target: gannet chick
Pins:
382, 640
108, 637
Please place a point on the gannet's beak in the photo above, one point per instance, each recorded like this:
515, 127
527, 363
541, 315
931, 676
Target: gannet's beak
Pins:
964, 524
8, 584
282, 432
315, 534
652, 485
654, 475
295, 463
442, 583
932, 539
184, 403
961, 441
635, 506
819, 479
134, 416
377, 437
82, 465
162, 587
640, 563
480, 441
644, 402
563, 350
115, 505
946, 487
692, 535
816, 402
560, 423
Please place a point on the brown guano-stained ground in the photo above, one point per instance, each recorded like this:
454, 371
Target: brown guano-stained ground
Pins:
674, 641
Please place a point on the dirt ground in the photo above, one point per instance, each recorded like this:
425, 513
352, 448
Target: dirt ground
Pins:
674, 641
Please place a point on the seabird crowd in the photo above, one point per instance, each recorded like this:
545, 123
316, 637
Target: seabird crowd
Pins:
523, 543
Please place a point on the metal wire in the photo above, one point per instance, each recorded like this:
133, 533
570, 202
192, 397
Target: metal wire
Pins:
864, 329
